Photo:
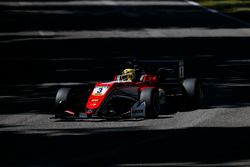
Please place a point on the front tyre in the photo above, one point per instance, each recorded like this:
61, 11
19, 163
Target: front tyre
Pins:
64, 101
151, 98
70, 100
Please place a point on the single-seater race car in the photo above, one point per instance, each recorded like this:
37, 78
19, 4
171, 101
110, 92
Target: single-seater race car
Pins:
141, 91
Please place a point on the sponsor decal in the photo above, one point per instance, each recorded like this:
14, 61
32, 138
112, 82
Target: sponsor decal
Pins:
95, 100
138, 110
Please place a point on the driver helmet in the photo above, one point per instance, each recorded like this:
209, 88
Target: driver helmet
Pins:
128, 74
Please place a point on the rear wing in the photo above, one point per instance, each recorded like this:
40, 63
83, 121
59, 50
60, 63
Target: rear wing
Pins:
175, 68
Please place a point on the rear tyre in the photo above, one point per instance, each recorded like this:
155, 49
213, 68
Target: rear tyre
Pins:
151, 98
193, 94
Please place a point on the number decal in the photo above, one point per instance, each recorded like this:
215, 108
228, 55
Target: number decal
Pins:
100, 90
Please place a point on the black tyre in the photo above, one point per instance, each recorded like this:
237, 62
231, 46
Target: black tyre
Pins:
62, 102
193, 94
70, 99
151, 97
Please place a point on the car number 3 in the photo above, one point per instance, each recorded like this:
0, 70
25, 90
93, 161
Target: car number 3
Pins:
99, 90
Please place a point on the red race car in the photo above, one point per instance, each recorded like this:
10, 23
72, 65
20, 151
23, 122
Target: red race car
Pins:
144, 89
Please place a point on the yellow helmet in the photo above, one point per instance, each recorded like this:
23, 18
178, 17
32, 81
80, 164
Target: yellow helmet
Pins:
128, 74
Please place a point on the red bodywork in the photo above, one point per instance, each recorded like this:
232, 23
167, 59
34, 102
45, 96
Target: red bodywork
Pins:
101, 91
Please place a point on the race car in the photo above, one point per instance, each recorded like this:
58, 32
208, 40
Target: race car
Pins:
158, 87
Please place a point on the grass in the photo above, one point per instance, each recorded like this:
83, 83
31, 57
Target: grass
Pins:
235, 8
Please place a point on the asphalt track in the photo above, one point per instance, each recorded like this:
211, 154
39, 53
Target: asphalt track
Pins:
46, 45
